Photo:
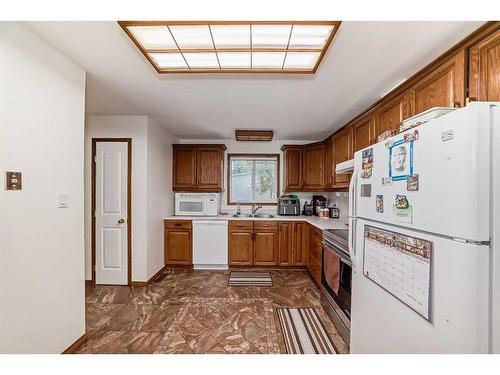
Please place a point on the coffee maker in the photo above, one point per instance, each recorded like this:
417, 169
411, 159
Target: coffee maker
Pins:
318, 202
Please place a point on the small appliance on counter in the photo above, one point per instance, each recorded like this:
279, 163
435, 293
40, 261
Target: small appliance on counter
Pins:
289, 204
308, 209
334, 212
318, 202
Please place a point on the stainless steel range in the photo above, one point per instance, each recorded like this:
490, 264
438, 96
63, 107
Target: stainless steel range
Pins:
336, 280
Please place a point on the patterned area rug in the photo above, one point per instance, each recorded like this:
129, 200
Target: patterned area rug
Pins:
303, 332
259, 279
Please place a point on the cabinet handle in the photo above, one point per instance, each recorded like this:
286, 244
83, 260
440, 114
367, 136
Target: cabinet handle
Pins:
456, 104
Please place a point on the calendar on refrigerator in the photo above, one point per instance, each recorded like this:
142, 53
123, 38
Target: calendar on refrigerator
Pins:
400, 264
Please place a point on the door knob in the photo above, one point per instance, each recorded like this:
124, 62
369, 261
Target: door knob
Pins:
121, 221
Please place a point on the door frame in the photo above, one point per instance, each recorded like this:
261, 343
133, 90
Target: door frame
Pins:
129, 204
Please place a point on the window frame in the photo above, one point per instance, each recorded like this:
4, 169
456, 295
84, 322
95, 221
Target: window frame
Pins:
250, 155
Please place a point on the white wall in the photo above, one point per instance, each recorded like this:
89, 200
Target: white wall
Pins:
160, 198
152, 197
42, 100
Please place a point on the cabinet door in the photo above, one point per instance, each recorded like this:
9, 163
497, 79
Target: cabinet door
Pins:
312, 168
293, 169
342, 151
443, 87
299, 243
364, 133
178, 247
285, 243
241, 248
184, 168
209, 168
484, 69
328, 163
392, 113
265, 248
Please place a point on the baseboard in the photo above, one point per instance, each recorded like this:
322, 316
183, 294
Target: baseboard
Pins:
151, 279
76, 345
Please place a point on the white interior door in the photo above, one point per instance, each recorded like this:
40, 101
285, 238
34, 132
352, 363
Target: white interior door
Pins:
111, 213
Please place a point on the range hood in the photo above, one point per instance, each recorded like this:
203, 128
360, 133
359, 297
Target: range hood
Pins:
345, 167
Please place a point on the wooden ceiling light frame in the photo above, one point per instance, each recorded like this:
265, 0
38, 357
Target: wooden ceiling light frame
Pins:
125, 24
254, 135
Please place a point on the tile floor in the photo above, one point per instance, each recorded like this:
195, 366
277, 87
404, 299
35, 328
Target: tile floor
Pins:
188, 311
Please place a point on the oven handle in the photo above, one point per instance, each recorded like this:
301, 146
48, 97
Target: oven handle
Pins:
344, 258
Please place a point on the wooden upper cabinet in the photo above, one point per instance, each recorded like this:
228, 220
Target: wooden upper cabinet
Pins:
442, 87
484, 69
184, 167
391, 114
342, 151
328, 163
197, 167
364, 132
313, 168
209, 168
293, 168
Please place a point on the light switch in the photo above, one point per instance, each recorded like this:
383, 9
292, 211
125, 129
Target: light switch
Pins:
13, 181
62, 200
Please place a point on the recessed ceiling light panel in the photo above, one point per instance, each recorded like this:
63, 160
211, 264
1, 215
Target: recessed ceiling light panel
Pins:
232, 46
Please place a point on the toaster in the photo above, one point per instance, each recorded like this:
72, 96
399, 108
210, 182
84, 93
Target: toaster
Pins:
289, 205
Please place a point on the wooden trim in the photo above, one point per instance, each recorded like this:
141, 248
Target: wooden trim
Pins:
151, 280
73, 348
277, 156
129, 204
124, 25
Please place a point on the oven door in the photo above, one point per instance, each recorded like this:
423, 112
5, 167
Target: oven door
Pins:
190, 207
336, 279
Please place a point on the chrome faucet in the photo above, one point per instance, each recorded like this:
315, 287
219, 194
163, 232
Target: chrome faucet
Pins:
238, 208
255, 208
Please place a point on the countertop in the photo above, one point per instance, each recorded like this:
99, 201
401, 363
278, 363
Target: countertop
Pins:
318, 222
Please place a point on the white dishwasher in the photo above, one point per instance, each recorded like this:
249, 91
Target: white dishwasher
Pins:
210, 244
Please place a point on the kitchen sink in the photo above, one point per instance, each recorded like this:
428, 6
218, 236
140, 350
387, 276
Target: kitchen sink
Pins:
258, 216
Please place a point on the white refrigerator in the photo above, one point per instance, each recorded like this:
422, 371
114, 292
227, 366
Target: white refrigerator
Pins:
424, 217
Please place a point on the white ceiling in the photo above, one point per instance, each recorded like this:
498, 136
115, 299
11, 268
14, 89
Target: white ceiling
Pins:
365, 61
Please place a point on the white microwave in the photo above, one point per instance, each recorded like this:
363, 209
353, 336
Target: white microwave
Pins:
197, 204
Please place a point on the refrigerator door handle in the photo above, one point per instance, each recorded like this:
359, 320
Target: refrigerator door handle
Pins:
352, 193
351, 243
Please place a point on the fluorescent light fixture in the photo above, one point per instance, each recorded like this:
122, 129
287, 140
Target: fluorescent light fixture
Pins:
267, 60
231, 36
192, 37
309, 36
232, 60
168, 60
301, 60
232, 46
199, 60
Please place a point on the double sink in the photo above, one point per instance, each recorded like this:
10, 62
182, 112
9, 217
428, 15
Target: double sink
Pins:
261, 216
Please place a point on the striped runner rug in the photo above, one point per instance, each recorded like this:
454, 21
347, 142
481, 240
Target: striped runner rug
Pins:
240, 278
304, 333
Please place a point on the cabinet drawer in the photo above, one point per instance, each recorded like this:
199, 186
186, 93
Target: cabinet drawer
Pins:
178, 224
241, 224
318, 233
315, 250
265, 225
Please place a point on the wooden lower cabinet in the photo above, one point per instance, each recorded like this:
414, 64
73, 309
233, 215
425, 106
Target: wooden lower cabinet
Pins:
178, 243
285, 243
315, 256
300, 242
265, 248
241, 247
